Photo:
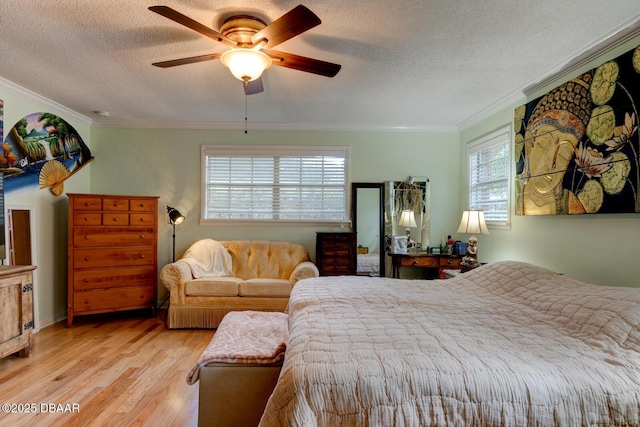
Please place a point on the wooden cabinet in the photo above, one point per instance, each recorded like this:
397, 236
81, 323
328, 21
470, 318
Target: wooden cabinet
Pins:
16, 309
112, 260
336, 253
438, 263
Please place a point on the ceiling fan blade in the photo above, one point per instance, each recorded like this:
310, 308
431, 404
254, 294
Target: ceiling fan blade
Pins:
253, 87
296, 21
178, 17
190, 60
301, 63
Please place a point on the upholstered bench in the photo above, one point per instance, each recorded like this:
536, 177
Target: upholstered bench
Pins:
239, 368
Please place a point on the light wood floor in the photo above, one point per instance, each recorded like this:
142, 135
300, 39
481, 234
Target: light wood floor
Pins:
119, 370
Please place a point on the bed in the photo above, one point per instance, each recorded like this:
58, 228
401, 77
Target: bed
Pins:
368, 264
506, 344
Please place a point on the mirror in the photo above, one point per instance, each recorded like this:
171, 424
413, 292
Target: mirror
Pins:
368, 222
407, 212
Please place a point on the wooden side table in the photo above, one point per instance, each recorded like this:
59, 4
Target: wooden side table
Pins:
436, 262
16, 315
336, 253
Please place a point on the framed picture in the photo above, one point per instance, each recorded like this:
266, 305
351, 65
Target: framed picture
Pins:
577, 146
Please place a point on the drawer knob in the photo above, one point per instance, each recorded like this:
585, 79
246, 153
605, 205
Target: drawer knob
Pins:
86, 237
449, 261
86, 258
142, 276
87, 204
115, 205
415, 262
142, 256
86, 280
142, 236
115, 219
87, 218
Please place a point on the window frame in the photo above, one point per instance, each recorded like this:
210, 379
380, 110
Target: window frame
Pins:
488, 141
270, 151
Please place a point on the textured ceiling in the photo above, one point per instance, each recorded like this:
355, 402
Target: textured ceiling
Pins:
429, 64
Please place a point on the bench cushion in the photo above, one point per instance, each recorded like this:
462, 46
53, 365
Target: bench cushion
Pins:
246, 337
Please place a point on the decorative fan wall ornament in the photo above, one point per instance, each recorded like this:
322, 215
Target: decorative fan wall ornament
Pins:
252, 41
42, 150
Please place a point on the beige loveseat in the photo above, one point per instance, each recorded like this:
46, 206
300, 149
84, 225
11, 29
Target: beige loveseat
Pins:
213, 278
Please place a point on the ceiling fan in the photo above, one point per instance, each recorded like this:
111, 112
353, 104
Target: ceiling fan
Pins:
252, 41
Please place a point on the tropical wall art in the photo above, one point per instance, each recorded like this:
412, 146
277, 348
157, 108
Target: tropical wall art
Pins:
1, 119
577, 146
42, 150
2, 235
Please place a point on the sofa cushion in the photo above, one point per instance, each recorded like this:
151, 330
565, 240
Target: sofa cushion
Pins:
274, 288
213, 286
257, 258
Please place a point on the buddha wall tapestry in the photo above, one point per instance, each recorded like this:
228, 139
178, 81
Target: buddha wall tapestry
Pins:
577, 147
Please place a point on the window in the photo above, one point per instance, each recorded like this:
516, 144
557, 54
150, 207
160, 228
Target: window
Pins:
275, 183
489, 176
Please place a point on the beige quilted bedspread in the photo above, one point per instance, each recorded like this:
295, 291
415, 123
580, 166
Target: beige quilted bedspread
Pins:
507, 344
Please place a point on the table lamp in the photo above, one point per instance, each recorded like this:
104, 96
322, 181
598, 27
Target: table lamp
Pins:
407, 219
473, 223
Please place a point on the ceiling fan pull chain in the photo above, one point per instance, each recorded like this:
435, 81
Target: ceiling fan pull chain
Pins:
245, 108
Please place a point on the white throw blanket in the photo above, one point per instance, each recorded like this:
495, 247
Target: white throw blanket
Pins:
507, 344
207, 257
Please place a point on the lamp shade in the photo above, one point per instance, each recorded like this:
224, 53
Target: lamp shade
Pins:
175, 217
473, 223
245, 64
407, 219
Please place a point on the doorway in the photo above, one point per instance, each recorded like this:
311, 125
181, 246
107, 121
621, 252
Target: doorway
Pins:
20, 237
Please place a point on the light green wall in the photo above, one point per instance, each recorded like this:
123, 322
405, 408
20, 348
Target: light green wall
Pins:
166, 163
50, 211
601, 249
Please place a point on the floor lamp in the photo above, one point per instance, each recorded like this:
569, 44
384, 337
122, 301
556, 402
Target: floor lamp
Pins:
175, 218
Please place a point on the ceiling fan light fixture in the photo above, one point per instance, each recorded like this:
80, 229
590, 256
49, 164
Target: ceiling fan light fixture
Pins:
245, 64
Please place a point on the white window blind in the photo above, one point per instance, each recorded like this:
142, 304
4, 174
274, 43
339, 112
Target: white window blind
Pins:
489, 176
267, 183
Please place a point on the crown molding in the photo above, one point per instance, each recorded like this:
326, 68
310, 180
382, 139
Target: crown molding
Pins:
29, 94
568, 68
514, 98
239, 126
564, 70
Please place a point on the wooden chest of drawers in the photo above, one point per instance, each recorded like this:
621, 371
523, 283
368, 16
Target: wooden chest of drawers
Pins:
112, 260
16, 309
336, 253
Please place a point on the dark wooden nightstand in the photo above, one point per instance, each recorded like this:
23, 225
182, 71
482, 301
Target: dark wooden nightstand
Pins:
336, 253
